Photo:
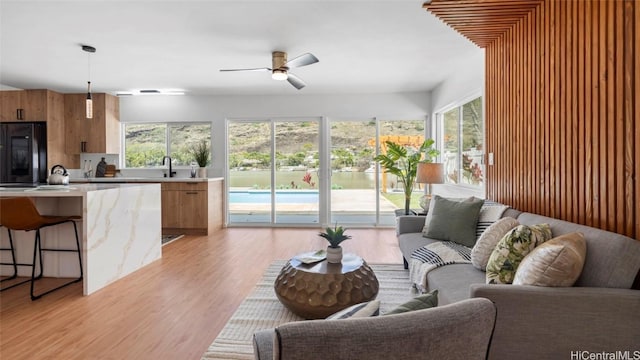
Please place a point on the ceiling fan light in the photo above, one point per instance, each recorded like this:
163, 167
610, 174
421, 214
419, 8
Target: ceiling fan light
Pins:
279, 75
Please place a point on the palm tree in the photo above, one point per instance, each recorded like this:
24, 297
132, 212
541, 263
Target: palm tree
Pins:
402, 162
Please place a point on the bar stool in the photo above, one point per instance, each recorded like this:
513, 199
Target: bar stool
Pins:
20, 213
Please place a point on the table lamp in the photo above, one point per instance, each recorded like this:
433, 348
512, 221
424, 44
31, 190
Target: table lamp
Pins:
429, 173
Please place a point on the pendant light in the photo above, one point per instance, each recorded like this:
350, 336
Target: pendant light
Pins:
89, 101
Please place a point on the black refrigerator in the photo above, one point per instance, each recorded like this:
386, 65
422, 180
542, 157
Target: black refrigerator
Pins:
23, 153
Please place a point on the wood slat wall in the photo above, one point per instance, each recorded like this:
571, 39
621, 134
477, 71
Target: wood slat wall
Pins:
562, 113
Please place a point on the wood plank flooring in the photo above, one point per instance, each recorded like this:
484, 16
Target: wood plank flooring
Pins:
171, 309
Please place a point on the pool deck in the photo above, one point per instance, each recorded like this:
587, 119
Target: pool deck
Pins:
348, 200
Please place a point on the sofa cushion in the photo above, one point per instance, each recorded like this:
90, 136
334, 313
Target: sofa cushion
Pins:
453, 281
419, 302
365, 309
512, 248
488, 241
557, 262
613, 260
454, 220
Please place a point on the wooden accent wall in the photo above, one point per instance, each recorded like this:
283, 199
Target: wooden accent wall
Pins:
562, 108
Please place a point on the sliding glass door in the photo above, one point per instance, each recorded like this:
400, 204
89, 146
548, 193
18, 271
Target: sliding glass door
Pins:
353, 172
273, 171
315, 171
361, 192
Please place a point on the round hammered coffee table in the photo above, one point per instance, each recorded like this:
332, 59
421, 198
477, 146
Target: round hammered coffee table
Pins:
318, 290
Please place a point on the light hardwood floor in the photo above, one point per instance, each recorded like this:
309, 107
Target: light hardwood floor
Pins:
171, 309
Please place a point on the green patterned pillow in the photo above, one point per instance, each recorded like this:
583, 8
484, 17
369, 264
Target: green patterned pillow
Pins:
511, 249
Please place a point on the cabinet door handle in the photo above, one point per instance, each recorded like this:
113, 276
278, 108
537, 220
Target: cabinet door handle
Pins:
20, 114
191, 192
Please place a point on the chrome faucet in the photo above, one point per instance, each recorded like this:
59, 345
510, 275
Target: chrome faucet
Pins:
171, 172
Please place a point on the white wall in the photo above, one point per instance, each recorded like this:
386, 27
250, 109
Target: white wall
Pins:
399, 106
464, 85
466, 82
218, 108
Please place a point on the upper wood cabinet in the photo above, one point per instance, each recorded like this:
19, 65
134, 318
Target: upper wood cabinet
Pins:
101, 134
23, 105
38, 106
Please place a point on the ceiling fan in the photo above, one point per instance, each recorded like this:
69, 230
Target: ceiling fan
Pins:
280, 67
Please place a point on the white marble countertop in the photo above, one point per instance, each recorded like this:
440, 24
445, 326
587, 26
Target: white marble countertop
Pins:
125, 179
61, 190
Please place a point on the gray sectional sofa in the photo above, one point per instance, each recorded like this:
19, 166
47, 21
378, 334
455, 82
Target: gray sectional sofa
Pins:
600, 313
598, 317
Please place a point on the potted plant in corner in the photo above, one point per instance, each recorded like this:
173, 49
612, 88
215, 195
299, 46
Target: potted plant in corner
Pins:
335, 236
402, 161
201, 154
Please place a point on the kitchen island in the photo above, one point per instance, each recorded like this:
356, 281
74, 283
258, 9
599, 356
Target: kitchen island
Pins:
120, 230
190, 206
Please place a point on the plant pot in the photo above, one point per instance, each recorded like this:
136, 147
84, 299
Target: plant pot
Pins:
334, 255
202, 172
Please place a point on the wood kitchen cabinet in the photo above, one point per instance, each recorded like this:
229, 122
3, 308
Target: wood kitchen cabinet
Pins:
38, 106
191, 208
101, 134
23, 105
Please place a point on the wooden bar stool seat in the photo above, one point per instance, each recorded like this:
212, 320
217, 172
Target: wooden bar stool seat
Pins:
20, 214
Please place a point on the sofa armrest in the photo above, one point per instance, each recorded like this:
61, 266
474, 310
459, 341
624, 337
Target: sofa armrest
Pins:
409, 224
550, 323
263, 344
456, 331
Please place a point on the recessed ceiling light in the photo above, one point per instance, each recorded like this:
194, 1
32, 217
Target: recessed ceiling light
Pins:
150, 92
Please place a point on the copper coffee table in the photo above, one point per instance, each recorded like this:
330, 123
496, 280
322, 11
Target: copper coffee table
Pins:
318, 290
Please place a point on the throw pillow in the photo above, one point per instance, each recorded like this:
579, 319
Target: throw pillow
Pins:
557, 262
419, 302
489, 239
365, 309
511, 249
490, 212
453, 220
427, 218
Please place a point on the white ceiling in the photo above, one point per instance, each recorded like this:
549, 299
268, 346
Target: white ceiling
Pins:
363, 46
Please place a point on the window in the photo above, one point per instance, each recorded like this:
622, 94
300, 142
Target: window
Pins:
146, 144
463, 144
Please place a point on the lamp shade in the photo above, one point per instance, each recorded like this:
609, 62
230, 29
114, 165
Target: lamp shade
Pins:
430, 173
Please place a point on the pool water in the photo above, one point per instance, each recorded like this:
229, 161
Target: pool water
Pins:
264, 197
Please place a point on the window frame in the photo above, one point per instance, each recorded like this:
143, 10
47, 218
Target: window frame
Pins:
167, 141
439, 130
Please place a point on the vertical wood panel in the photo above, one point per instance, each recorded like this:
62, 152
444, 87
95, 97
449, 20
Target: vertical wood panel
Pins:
616, 206
578, 120
632, 97
603, 120
562, 113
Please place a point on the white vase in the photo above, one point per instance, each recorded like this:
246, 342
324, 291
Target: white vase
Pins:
334, 255
202, 172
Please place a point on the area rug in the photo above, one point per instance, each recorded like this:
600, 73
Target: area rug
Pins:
262, 310
170, 238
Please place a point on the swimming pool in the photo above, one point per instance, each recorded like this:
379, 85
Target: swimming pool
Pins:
264, 197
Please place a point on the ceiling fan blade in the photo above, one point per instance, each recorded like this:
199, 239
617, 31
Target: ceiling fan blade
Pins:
302, 60
295, 81
253, 69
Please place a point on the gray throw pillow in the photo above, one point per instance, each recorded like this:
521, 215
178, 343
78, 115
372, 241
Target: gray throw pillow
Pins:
454, 220
419, 302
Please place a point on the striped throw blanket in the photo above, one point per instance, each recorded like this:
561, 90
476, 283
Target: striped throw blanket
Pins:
432, 256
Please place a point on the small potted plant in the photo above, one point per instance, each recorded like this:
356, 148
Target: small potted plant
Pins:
335, 236
201, 154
